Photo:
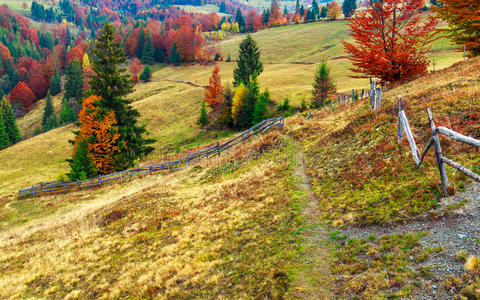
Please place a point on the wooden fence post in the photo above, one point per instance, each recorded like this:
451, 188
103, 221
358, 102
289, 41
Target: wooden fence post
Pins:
331, 105
353, 95
399, 129
438, 152
363, 91
464, 52
218, 149
379, 98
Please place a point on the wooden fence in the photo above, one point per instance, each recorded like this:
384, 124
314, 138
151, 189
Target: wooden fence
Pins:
374, 93
404, 127
59, 186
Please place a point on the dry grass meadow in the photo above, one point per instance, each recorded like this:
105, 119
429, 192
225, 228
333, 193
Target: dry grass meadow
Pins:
231, 228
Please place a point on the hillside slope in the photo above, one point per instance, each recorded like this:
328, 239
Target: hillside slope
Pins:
241, 226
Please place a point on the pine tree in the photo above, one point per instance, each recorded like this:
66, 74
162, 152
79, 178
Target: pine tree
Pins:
203, 119
81, 166
246, 116
67, 115
248, 62
297, 7
55, 84
74, 81
323, 85
240, 20
49, 117
323, 13
4, 140
349, 7
148, 51
316, 13
146, 74
229, 58
174, 55
112, 83
261, 108
13, 132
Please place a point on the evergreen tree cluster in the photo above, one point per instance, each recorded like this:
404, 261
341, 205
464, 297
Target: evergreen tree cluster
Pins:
40, 13
349, 7
9, 132
110, 83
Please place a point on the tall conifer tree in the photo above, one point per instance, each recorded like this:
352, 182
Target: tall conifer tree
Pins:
248, 62
4, 140
148, 51
112, 83
13, 132
49, 120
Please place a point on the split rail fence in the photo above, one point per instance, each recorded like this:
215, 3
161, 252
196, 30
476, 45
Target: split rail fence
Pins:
59, 186
404, 127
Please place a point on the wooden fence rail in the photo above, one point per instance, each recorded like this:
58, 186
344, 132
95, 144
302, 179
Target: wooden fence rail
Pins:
404, 127
59, 186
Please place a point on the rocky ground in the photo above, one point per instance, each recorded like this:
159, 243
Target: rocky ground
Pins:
453, 226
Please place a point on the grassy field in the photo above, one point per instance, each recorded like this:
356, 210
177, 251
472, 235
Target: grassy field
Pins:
204, 9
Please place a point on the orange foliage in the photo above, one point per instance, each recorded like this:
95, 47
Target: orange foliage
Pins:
136, 66
333, 10
275, 18
100, 132
214, 92
76, 53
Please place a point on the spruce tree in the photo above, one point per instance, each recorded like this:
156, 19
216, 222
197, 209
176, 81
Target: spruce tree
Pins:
13, 132
148, 51
81, 166
49, 115
4, 140
246, 116
248, 62
174, 55
323, 85
112, 83
349, 7
67, 115
323, 13
261, 108
240, 20
74, 82
55, 85
203, 119
146, 74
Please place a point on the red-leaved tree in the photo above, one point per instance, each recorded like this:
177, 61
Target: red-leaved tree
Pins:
391, 39
22, 98
214, 92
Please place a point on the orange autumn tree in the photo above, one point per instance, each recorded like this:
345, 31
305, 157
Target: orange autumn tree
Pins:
463, 17
99, 131
333, 10
391, 40
214, 92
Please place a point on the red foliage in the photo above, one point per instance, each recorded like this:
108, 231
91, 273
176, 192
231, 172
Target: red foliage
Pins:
189, 42
253, 21
76, 53
5, 54
136, 66
391, 40
214, 92
22, 94
38, 80
275, 18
